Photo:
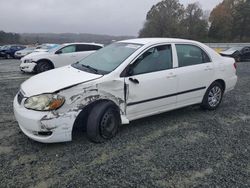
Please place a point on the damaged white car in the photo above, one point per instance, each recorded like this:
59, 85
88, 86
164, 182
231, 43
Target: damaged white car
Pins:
122, 82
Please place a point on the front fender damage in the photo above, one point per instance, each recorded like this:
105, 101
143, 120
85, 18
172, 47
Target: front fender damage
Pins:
78, 97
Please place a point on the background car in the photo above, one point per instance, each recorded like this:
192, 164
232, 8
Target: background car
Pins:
2, 50
9, 51
238, 53
21, 53
62, 55
45, 47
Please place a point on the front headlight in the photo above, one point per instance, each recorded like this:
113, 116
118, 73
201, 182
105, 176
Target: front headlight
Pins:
44, 102
28, 60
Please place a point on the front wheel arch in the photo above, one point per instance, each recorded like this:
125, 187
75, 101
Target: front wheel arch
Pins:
80, 122
44, 60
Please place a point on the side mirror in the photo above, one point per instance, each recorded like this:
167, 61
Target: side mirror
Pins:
59, 52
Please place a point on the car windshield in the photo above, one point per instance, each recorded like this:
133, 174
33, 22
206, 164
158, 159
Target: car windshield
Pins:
234, 49
108, 58
6, 47
47, 47
29, 48
55, 48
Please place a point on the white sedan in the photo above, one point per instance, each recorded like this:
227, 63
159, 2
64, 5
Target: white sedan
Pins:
21, 53
41, 61
120, 83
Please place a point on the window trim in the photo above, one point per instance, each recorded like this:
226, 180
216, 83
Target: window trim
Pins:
196, 45
124, 73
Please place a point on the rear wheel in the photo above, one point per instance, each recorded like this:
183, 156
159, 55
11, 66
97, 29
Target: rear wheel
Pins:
213, 96
103, 122
43, 66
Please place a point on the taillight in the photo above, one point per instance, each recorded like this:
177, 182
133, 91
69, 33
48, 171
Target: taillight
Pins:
235, 66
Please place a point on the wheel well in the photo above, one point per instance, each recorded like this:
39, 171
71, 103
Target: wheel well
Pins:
46, 60
81, 119
222, 82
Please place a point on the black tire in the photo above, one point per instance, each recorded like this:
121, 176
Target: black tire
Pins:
103, 122
213, 96
43, 66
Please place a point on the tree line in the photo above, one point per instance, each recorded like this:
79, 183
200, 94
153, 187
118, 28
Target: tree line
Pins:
9, 38
228, 22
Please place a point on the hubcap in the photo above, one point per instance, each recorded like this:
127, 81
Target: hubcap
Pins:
214, 96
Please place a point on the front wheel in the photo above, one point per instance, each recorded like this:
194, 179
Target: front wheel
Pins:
43, 66
213, 96
103, 122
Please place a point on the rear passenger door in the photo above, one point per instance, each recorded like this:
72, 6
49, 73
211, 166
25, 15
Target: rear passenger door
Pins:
83, 50
195, 73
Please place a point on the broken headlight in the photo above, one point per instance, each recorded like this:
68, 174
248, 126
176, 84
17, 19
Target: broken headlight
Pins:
28, 60
44, 102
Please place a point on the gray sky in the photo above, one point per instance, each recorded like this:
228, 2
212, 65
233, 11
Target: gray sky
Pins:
112, 17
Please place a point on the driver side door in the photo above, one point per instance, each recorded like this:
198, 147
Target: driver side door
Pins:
151, 83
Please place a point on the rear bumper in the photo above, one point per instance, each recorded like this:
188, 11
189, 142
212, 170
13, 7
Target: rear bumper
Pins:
230, 84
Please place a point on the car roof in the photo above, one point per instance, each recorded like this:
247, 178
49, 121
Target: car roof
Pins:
145, 41
66, 44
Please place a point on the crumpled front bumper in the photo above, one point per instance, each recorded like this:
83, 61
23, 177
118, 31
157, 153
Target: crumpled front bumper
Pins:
32, 125
28, 67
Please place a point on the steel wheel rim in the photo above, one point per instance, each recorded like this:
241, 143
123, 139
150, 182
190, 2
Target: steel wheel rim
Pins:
45, 67
214, 96
108, 125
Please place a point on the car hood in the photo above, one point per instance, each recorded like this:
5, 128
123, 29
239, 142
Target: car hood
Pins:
54, 80
36, 55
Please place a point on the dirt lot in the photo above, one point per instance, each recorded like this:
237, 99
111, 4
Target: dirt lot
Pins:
183, 148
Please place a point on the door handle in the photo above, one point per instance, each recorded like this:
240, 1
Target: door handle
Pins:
134, 80
208, 69
171, 75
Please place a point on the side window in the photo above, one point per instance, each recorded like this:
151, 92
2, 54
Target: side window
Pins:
87, 47
95, 47
68, 49
190, 55
155, 59
83, 47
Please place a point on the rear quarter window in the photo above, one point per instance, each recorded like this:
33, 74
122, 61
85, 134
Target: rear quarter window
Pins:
87, 47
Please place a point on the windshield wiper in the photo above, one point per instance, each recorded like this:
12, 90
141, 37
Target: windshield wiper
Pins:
90, 68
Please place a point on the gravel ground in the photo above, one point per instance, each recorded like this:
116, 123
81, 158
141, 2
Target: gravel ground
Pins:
182, 148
